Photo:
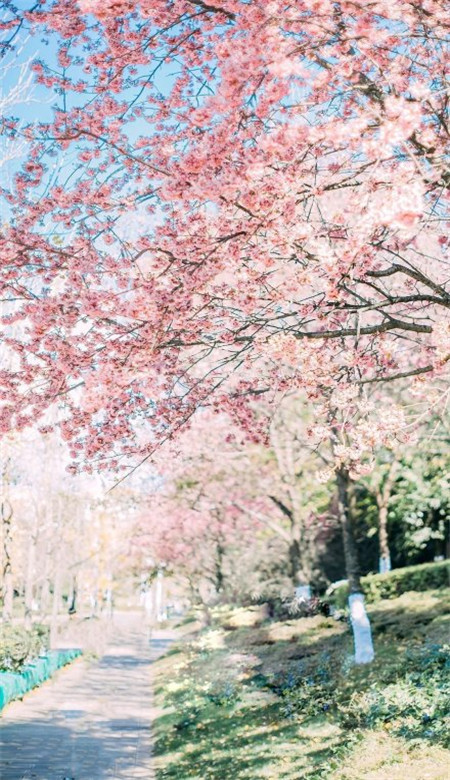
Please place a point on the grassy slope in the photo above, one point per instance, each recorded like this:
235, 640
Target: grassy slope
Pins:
283, 701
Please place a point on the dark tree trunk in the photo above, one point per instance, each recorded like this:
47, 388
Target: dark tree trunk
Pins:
383, 496
350, 551
219, 577
294, 561
7, 578
72, 600
385, 555
360, 622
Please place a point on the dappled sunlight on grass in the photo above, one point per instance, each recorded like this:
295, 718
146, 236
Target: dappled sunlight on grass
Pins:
283, 700
414, 616
384, 757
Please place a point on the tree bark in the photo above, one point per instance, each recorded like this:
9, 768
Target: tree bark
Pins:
385, 555
44, 590
72, 597
219, 576
206, 616
295, 563
294, 550
159, 596
350, 551
44, 597
362, 635
8, 586
29, 580
55, 606
382, 497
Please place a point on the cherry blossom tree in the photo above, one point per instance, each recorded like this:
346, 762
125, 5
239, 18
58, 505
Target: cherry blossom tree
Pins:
267, 497
292, 173
205, 522
251, 201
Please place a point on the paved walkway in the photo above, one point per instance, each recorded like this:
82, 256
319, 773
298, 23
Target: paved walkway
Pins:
92, 721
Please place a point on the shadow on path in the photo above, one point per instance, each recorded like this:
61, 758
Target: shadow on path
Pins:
92, 722
53, 751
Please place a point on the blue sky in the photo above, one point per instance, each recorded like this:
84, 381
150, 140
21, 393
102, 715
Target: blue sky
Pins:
35, 102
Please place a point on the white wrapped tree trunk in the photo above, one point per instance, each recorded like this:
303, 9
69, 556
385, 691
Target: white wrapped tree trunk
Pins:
303, 592
384, 564
159, 597
362, 635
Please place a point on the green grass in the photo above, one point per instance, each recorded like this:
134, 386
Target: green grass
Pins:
284, 701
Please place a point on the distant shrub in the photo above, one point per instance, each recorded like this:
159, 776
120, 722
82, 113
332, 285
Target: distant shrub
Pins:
18, 645
426, 576
292, 607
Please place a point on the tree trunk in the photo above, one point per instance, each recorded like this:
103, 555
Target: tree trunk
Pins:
350, 552
72, 597
382, 497
385, 555
29, 580
295, 562
44, 578
219, 577
8, 586
55, 606
206, 616
362, 635
44, 597
159, 596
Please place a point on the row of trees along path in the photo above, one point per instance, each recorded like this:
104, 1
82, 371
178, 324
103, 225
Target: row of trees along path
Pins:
230, 201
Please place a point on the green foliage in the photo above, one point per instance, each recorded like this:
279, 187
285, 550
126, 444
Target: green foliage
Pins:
426, 576
415, 702
410, 698
223, 695
307, 690
19, 645
418, 508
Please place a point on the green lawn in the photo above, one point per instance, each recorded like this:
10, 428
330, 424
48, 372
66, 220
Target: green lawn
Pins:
248, 698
